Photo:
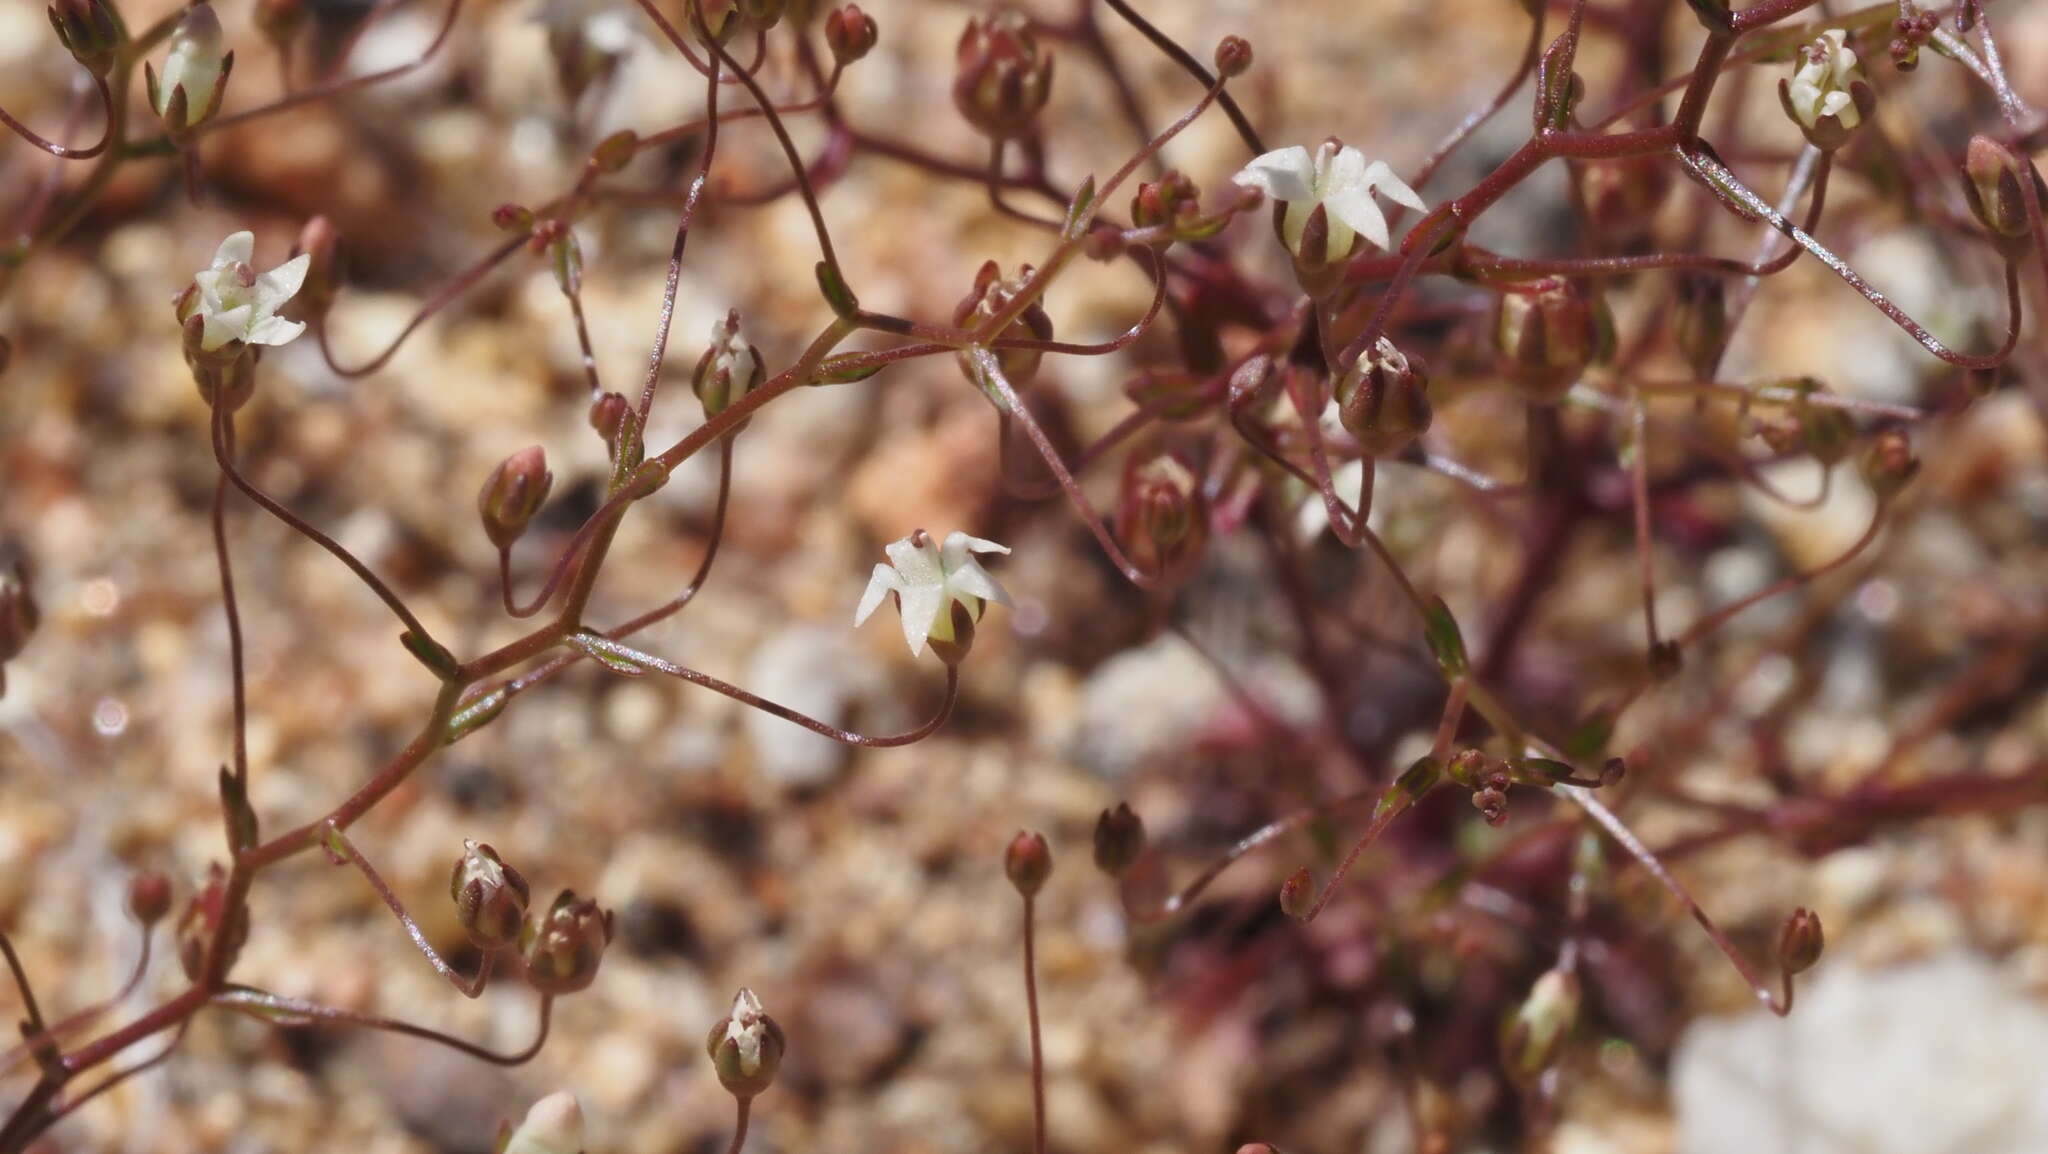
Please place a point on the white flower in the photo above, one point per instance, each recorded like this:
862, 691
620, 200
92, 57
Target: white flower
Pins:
195, 63
1821, 85
744, 1030
1340, 180
238, 304
927, 579
553, 1126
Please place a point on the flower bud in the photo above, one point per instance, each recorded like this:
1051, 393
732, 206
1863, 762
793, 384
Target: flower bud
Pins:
745, 1047
149, 897
554, 1125
1826, 96
195, 72
320, 240
513, 493
1164, 203
1298, 894
201, 924
1547, 333
89, 31
564, 946
1162, 517
1002, 76
729, 368
1233, 56
1383, 400
616, 151
1887, 463
1533, 1034
1800, 942
1702, 323
490, 897
850, 33
1996, 191
1028, 862
1119, 839
992, 294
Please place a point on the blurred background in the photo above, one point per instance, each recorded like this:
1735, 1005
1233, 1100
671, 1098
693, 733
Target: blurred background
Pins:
860, 893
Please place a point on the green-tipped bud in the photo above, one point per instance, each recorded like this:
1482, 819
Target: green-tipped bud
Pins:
992, 294
1446, 643
729, 369
195, 74
1996, 190
1162, 516
1298, 894
1547, 333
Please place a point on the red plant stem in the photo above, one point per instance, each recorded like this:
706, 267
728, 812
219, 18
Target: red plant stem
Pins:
66, 152
744, 1108
338, 842
1037, 1055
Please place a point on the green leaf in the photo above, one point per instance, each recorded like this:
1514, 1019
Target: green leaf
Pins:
1446, 644
844, 304
601, 650
431, 654
1081, 212
477, 714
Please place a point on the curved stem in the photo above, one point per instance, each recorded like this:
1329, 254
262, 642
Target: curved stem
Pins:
338, 843
1723, 615
744, 1107
463, 281
296, 1013
66, 152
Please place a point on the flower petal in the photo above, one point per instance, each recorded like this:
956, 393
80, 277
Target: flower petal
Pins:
1357, 209
921, 606
1283, 174
237, 248
282, 283
1389, 184
918, 565
974, 581
222, 327
1345, 172
881, 583
274, 330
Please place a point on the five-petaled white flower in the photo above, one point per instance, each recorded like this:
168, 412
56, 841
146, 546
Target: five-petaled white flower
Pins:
928, 578
195, 64
1337, 178
553, 1126
1822, 85
238, 304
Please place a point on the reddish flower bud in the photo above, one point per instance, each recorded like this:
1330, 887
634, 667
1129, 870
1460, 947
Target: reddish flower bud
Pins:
1996, 190
564, 946
149, 897
1119, 839
1028, 862
89, 31
992, 294
1298, 894
1162, 518
513, 218
1547, 332
1170, 202
850, 33
490, 897
1384, 400
1233, 56
746, 1047
1800, 942
1002, 76
1887, 464
513, 493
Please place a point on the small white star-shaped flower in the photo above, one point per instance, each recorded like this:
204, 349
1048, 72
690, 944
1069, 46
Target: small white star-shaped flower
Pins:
195, 63
240, 305
928, 578
1337, 178
1821, 86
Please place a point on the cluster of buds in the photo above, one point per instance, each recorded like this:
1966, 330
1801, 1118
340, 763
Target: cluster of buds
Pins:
941, 591
1912, 29
1002, 77
850, 33
729, 369
1827, 95
512, 494
746, 1047
1996, 190
195, 75
1162, 517
1825, 431
490, 897
553, 1125
207, 921
18, 617
1383, 400
564, 946
90, 31
992, 295
229, 311
1172, 207
1119, 840
1547, 333
1488, 778
1027, 862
